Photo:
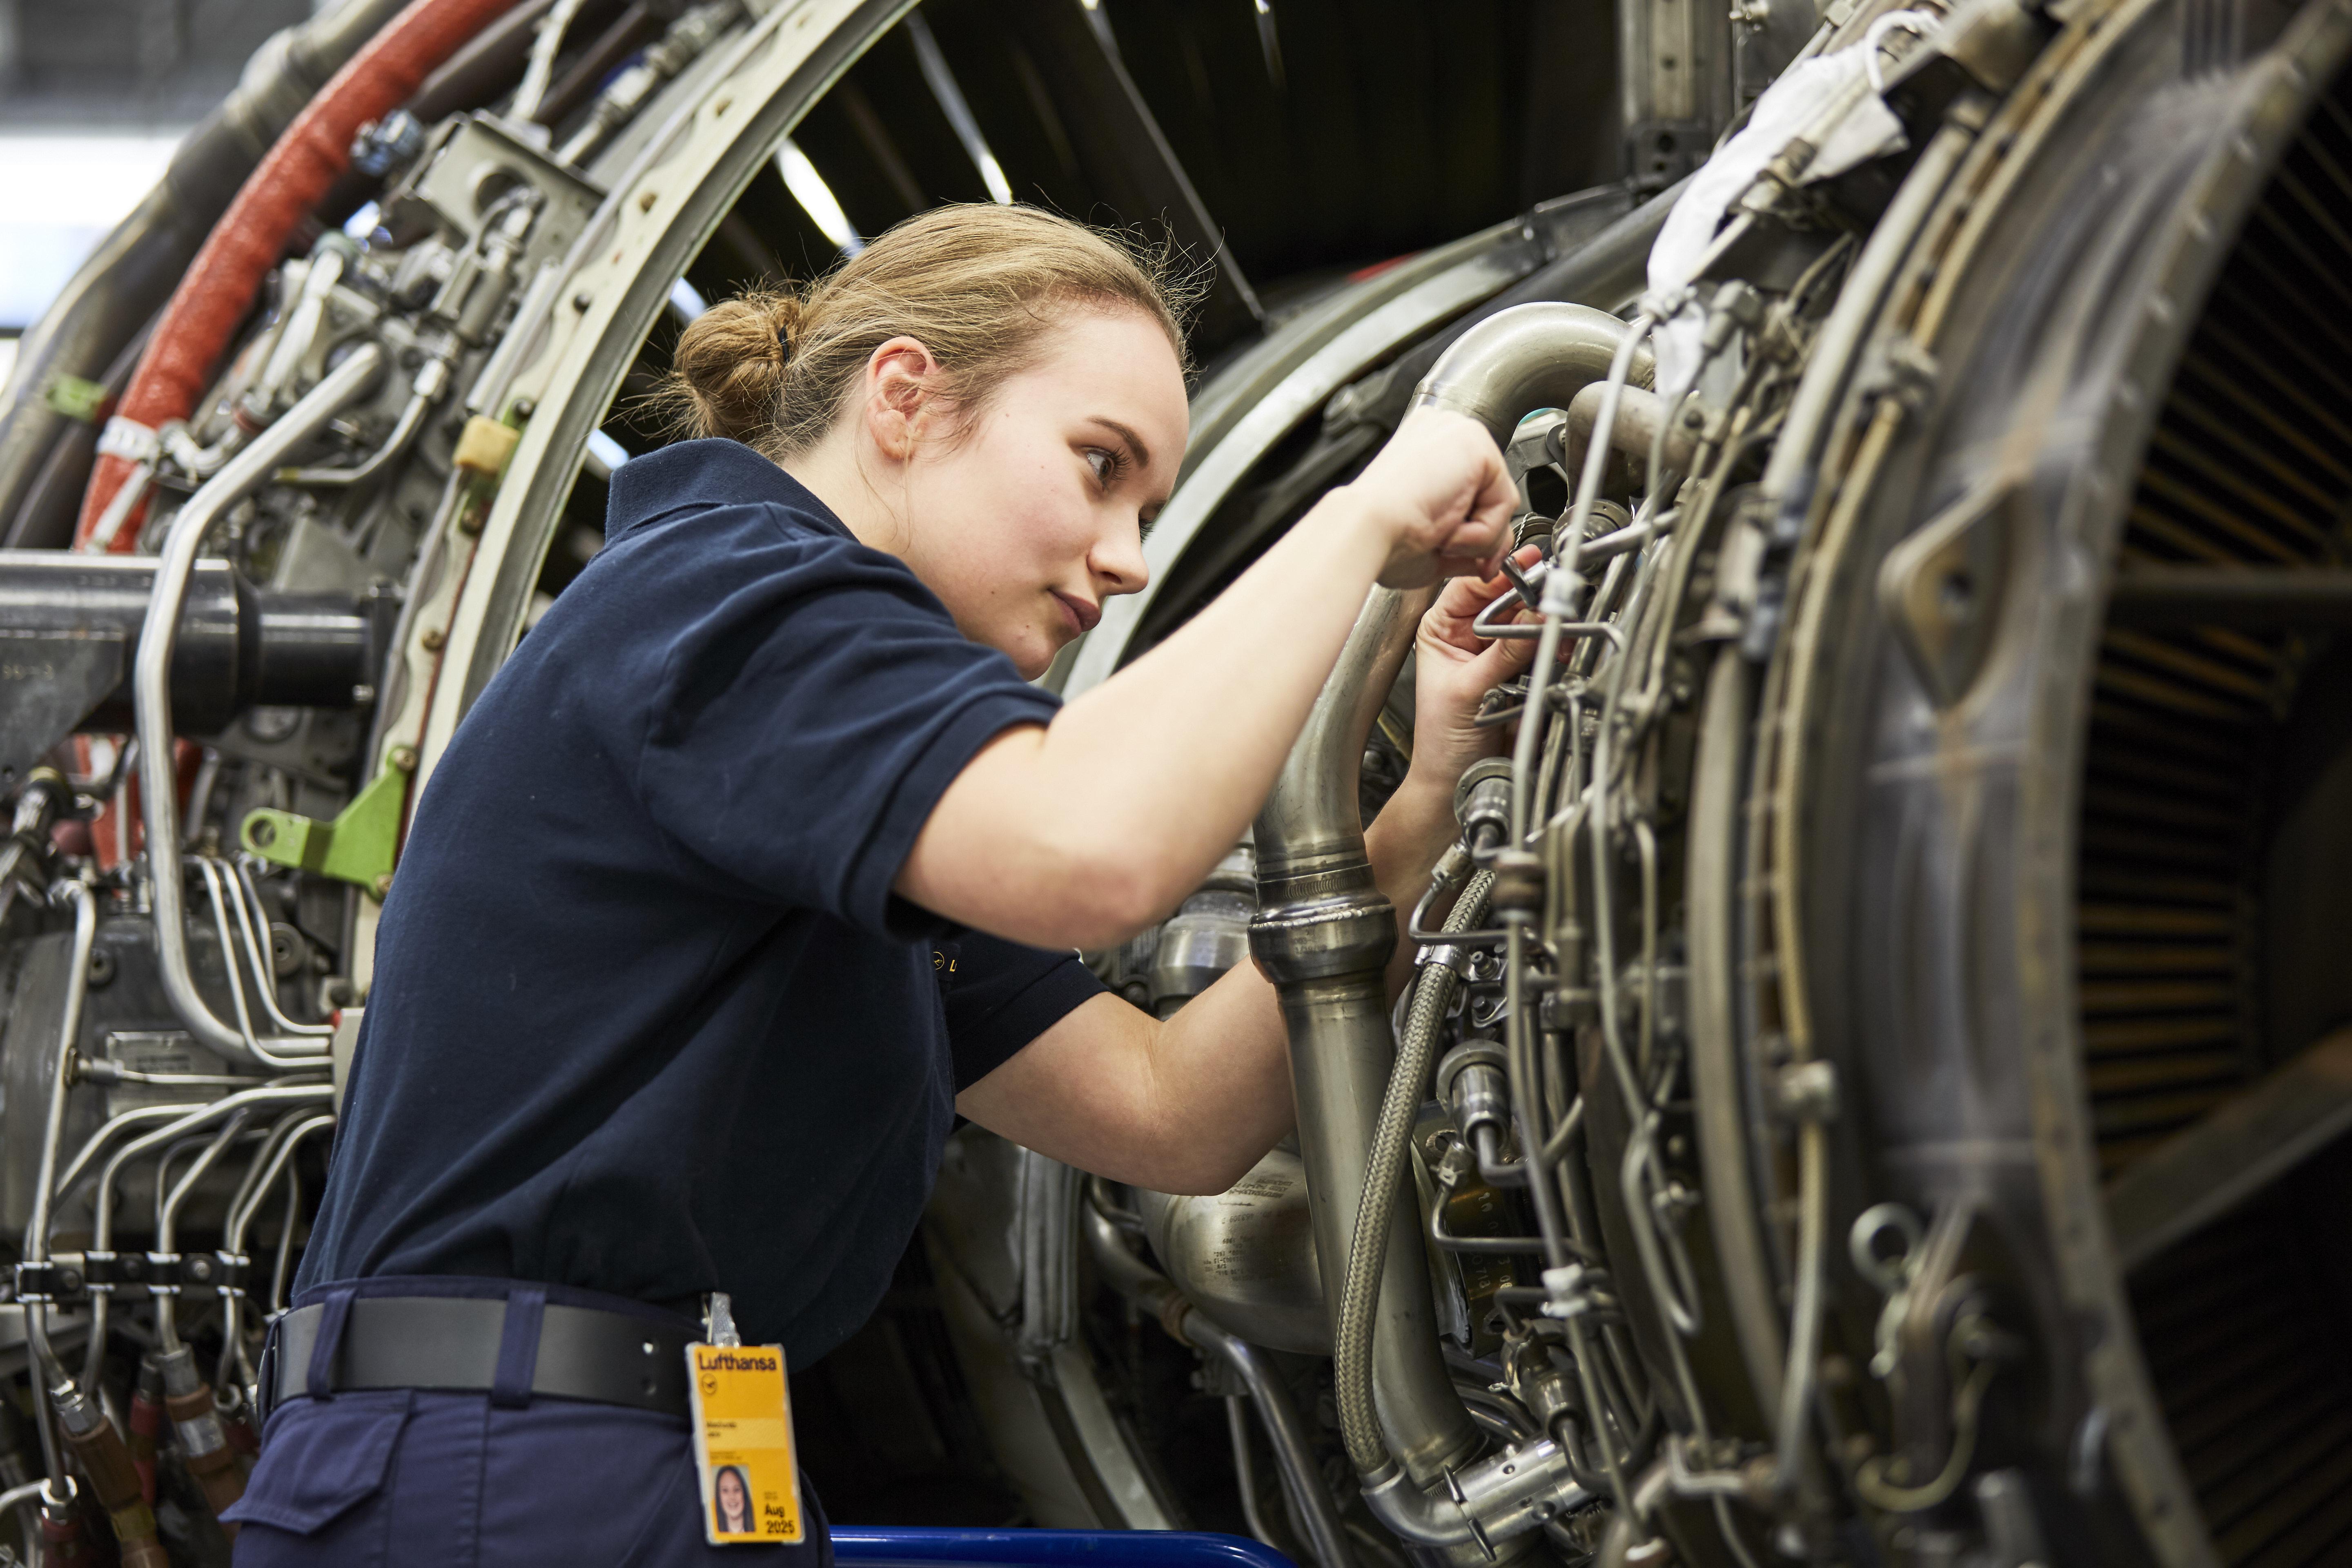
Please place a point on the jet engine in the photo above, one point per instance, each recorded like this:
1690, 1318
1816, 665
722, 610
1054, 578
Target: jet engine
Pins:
1874, 1086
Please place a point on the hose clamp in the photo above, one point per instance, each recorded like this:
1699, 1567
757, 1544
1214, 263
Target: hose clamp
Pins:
1445, 956
130, 440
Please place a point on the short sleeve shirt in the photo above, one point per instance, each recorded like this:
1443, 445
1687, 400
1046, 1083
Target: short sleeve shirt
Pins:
647, 1017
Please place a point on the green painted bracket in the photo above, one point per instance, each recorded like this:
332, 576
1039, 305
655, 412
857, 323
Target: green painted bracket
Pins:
74, 398
357, 847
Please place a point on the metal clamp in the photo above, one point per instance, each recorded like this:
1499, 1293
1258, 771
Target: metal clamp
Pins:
46, 1281
130, 440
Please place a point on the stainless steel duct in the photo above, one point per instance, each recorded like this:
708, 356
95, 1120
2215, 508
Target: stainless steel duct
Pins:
1325, 932
1246, 1256
1323, 935
1525, 358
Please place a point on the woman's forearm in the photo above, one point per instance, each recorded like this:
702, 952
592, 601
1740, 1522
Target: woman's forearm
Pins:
1403, 845
1190, 1104
1080, 833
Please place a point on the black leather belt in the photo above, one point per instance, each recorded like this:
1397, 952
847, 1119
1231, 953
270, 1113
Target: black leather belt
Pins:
452, 1343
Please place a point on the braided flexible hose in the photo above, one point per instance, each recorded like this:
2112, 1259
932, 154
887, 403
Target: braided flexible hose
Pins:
1360, 1423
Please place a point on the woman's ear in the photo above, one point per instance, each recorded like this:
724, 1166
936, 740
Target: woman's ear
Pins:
902, 396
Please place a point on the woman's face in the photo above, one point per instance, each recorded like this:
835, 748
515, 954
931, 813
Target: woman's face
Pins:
1026, 513
730, 1494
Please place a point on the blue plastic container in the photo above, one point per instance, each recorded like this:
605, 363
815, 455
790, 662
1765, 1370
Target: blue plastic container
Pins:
871, 1547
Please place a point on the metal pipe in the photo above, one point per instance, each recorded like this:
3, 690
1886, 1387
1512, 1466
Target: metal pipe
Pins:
36, 1235
151, 692
1644, 423
541, 69
248, 897
16, 1500
1525, 358
1293, 1451
102, 1229
1512, 1493
85, 937
1246, 1256
284, 1138
1245, 1467
167, 1222
121, 1121
1323, 937
249, 1190
404, 431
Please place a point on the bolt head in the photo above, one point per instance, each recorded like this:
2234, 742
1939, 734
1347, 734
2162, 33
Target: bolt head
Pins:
403, 757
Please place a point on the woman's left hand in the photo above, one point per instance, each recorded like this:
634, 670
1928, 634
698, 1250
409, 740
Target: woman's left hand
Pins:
1456, 669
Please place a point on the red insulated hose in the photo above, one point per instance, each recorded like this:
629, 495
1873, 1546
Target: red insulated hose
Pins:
219, 288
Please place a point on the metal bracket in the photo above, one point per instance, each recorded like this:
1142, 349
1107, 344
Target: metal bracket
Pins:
359, 846
1940, 589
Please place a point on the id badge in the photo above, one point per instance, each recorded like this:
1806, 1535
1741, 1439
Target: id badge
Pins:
742, 1419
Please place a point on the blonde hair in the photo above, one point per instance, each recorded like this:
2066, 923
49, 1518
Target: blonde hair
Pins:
977, 285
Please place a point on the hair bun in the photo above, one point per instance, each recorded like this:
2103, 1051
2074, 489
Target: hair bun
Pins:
730, 363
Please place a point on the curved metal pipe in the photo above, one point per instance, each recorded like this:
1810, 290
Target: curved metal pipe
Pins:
1293, 1451
167, 1221
1525, 358
1633, 433
37, 1234
430, 385
194, 1119
1246, 1257
152, 693
1509, 1495
288, 1135
1323, 936
1288, 1430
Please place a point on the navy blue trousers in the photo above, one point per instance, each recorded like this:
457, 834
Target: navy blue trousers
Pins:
393, 1479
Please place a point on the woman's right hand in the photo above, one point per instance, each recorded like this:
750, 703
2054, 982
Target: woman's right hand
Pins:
1440, 495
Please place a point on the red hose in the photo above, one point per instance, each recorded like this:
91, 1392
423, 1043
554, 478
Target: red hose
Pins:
220, 285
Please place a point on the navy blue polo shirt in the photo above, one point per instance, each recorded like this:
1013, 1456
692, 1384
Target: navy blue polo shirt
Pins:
647, 1017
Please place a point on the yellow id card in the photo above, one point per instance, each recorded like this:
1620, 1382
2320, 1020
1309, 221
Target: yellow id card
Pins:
743, 1444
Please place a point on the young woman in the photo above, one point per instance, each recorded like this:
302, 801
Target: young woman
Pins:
762, 858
